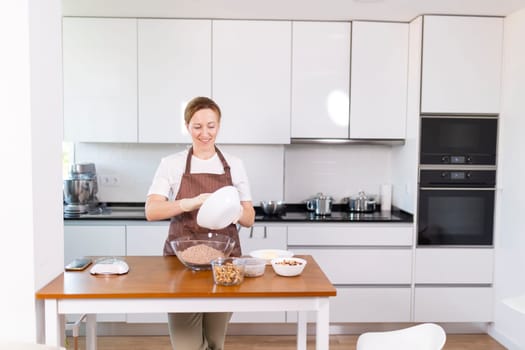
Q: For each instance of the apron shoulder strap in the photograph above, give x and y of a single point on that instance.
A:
(188, 161)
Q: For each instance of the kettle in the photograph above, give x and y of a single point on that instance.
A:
(321, 204)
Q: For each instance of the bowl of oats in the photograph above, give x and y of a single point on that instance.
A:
(196, 251)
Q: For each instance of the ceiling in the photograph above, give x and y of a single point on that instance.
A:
(391, 10)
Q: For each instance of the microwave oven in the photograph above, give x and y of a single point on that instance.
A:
(455, 140)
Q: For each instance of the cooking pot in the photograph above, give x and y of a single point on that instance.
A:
(361, 203)
(321, 204)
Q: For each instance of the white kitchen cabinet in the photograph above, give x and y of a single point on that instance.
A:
(100, 79)
(367, 304)
(379, 80)
(174, 65)
(462, 63)
(146, 240)
(363, 265)
(254, 238)
(453, 304)
(358, 234)
(251, 80)
(369, 264)
(98, 241)
(454, 266)
(320, 79)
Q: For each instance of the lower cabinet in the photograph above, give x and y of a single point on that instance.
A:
(453, 304)
(95, 240)
(146, 240)
(367, 304)
(369, 264)
(254, 238)
(453, 285)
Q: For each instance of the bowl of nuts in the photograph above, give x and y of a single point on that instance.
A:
(288, 267)
(228, 271)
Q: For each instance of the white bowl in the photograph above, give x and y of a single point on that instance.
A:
(288, 266)
(220, 208)
(269, 254)
(254, 267)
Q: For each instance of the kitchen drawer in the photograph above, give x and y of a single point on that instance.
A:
(454, 265)
(259, 317)
(367, 304)
(363, 265)
(351, 235)
(453, 304)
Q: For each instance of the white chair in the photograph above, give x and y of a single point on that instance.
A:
(426, 336)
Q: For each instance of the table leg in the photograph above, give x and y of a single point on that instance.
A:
(91, 332)
(322, 339)
(301, 330)
(52, 323)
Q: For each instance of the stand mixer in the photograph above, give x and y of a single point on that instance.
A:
(80, 189)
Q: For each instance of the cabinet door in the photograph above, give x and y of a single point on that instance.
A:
(462, 60)
(361, 266)
(320, 79)
(146, 240)
(251, 80)
(261, 237)
(454, 266)
(100, 79)
(95, 241)
(379, 80)
(453, 304)
(174, 66)
(367, 304)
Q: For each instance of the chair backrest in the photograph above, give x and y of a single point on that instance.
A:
(426, 336)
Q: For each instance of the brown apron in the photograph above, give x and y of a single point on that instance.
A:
(192, 185)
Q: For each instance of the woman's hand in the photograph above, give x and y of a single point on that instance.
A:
(194, 203)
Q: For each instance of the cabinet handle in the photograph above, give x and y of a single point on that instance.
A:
(265, 233)
(251, 232)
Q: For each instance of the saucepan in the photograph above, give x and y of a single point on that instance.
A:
(273, 207)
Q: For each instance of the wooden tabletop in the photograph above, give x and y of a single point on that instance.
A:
(166, 277)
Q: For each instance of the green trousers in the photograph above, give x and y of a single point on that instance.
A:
(198, 331)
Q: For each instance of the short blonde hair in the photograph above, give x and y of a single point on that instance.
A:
(197, 104)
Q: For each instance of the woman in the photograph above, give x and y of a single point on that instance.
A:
(191, 176)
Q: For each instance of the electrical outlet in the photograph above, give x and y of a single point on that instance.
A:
(108, 180)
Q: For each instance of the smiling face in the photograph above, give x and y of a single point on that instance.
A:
(203, 128)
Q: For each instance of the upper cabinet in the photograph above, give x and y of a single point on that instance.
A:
(174, 65)
(320, 79)
(379, 80)
(461, 69)
(251, 80)
(100, 79)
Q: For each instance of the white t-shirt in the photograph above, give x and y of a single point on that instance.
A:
(166, 181)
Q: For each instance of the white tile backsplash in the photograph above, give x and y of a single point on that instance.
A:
(290, 172)
(336, 170)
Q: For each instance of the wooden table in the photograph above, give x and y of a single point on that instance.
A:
(163, 284)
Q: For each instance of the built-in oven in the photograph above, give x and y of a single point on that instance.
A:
(456, 207)
(456, 140)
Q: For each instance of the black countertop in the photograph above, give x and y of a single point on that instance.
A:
(295, 212)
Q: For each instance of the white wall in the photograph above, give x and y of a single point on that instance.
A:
(31, 252)
(510, 235)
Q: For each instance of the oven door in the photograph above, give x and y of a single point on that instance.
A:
(456, 216)
(458, 140)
